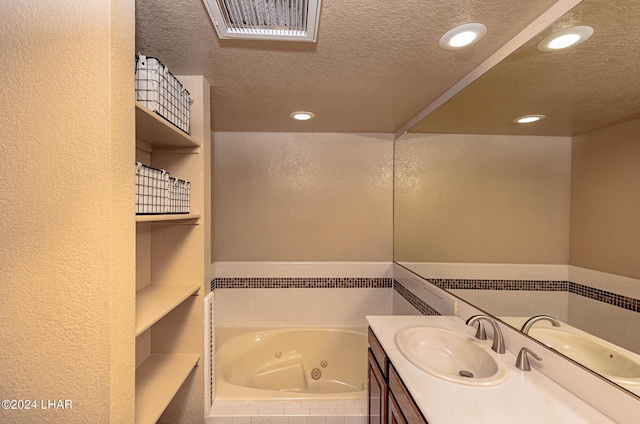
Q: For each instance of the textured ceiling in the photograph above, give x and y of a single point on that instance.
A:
(375, 65)
(587, 87)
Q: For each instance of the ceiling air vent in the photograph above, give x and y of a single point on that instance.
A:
(285, 20)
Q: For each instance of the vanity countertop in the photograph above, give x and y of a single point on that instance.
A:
(526, 397)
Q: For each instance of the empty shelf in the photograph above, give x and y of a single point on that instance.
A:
(155, 301)
(158, 379)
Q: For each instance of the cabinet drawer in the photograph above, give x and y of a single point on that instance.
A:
(404, 401)
(379, 354)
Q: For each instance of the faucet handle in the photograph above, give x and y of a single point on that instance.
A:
(481, 333)
(522, 362)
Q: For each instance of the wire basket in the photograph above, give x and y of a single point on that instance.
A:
(161, 92)
(159, 193)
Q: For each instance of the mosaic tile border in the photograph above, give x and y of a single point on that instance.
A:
(610, 298)
(300, 283)
(604, 296)
(472, 284)
(414, 300)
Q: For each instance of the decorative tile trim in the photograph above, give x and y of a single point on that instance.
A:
(530, 285)
(414, 300)
(604, 296)
(610, 298)
(296, 283)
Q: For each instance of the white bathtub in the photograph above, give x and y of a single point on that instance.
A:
(301, 363)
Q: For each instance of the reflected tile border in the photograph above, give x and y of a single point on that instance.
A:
(414, 300)
(604, 296)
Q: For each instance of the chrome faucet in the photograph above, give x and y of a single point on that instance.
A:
(522, 362)
(529, 323)
(498, 339)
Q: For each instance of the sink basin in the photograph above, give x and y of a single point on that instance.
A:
(597, 355)
(451, 356)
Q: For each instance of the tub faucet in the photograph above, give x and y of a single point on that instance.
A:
(527, 325)
(498, 339)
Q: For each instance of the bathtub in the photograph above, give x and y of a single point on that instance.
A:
(292, 364)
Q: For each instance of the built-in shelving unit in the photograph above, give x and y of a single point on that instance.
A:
(158, 379)
(170, 269)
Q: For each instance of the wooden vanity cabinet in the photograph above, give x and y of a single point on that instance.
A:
(402, 408)
(395, 416)
(388, 398)
(378, 382)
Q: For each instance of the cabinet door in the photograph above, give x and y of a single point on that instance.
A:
(395, 416)
(400, 399)
(378, 391)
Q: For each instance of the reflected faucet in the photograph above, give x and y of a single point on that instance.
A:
(529, 323)
(498, 339)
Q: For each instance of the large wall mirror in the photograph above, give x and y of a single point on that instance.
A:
(540, 218)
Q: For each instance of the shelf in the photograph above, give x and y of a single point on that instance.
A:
(158, 379)
(155, 301)
(167, 217)
(155, 131)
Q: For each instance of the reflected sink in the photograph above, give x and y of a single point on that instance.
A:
(597, 355)
(451, 356)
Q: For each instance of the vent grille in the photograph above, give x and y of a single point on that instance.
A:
(295, 20)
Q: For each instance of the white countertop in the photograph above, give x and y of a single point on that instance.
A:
(526, 397)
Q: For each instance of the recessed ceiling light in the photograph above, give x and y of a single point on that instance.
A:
(302, 115)
(527, 119)
(463, 36)
(567, 37)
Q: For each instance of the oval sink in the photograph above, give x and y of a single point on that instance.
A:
(451, 356)
(602, 358)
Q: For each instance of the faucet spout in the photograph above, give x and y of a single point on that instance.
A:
(498, 339)
(529, 323)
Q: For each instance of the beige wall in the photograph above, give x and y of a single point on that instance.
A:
(605, 200)
(302, 197)
(482, 199)
(67, 258)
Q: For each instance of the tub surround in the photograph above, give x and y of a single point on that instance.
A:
(292, 294)
(308, 294)
(526, 397)
(289, 412)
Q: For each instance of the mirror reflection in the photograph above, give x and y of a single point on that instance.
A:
(540, 218)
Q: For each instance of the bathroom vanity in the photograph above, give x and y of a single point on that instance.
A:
(388, 398)
(401, 392)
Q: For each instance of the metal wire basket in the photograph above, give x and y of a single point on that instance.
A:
(159, 193)
(161, 92)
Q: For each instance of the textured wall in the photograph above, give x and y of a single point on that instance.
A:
(486, 199)
(605, 200)
(302, 197)
(66, 264)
